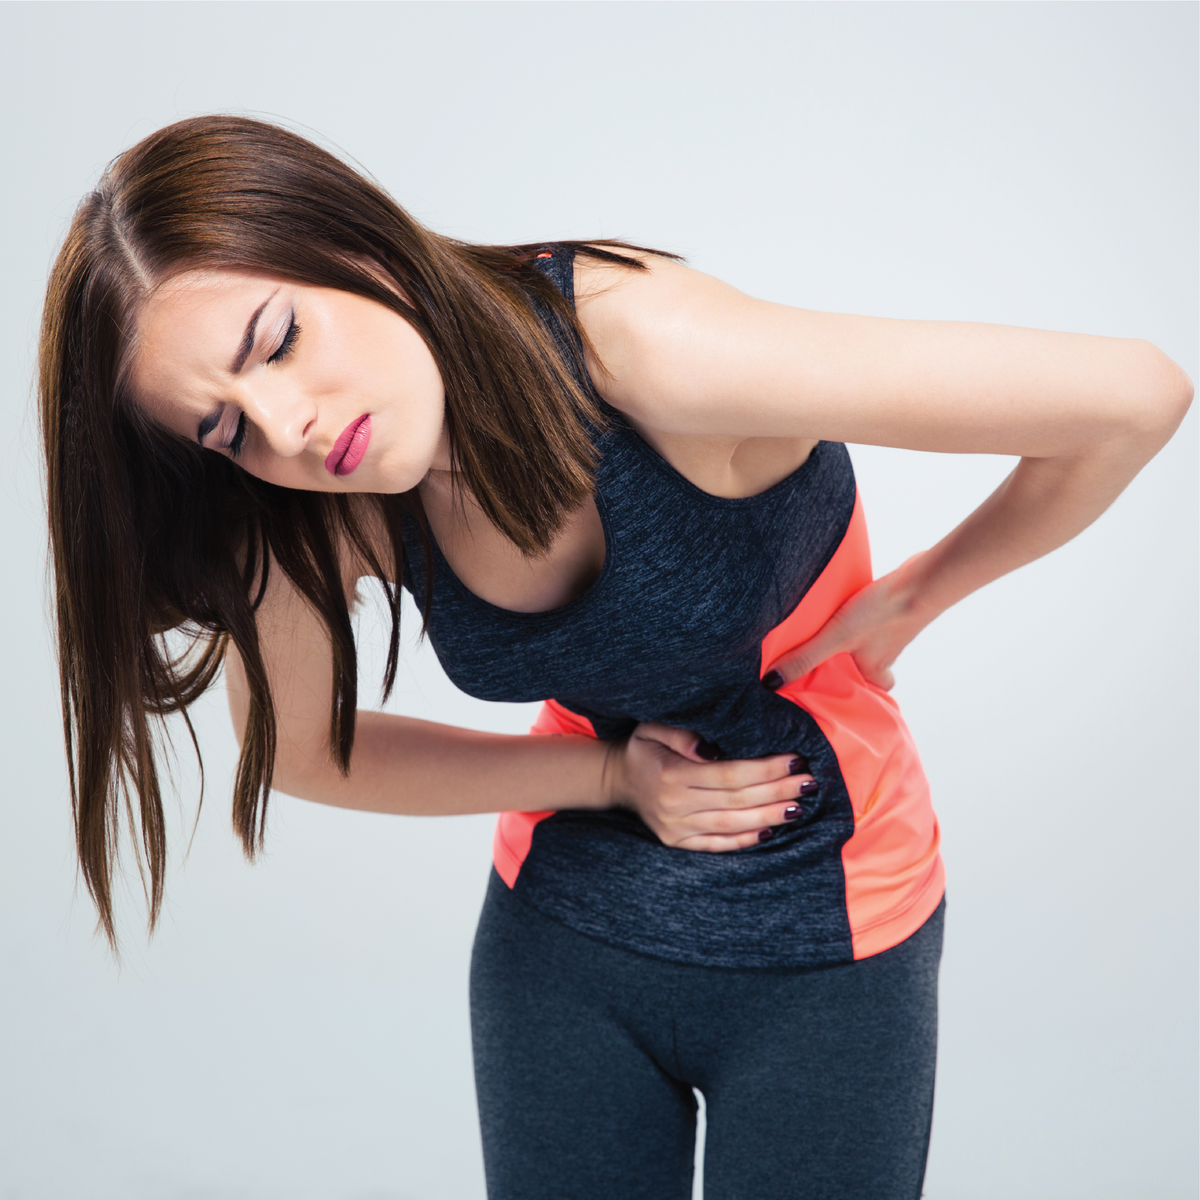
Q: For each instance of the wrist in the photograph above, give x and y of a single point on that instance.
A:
(614, 782)
(911, 592)
(922, 591)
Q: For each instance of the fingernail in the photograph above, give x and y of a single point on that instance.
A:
(798, 766)
(810, 787)
(772, 681)
(765, 835)
(707, 750)
(792, 812)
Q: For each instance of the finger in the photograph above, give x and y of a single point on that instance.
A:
(716, 844)
(695, 802)
(805, 657)
(733, 830)
(729, 822)
(735, 774)
(880, 676)
(680, 741)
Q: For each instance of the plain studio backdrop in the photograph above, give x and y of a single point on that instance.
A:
(298, 1029)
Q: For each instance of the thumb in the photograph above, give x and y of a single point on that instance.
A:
(683, 742)
(829, 640)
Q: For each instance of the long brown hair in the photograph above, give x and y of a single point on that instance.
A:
(150, 534)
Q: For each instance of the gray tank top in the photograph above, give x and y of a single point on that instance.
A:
(671, 631)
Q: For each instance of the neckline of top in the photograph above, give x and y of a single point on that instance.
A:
(555, 254)
(584, 597)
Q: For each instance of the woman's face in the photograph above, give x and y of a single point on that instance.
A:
(305, 387)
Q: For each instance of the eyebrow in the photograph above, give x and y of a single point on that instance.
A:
(239, 359)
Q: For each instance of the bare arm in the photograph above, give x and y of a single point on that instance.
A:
(407, 766)
(400, 764)
(686, 356)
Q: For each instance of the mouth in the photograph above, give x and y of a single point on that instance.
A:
(350, 446)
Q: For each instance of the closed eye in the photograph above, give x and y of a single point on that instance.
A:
(239, 438)
(289, 341)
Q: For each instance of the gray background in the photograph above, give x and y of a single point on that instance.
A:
(299, 1029)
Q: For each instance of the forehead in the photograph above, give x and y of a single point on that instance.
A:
(187, 333)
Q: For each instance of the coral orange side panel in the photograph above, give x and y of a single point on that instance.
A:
(893, 867)
(892, 864)
(514, 830)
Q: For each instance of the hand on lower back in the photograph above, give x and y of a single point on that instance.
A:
(667, 777)
(874, 625)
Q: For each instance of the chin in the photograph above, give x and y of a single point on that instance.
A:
(392, 477)
(381, 482)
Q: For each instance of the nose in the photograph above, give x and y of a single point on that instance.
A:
(284, 418)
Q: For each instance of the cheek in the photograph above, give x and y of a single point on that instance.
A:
(407, 368)
(419, 432)
(413, 405)
(426, 393)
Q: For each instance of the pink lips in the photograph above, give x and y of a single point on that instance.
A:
(350, 447)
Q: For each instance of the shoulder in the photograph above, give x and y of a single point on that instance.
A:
(669, 345)
(608, 290)
(640, 322)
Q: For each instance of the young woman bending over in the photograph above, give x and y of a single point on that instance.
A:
(613, 484)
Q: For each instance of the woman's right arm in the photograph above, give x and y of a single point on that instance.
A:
(408, 766)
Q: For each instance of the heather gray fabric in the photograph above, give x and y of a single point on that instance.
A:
(671, 632)
(818, 1081)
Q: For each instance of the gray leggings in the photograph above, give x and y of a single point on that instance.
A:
(818, 1082)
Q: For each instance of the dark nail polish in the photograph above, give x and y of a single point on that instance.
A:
(707, 750)
(765, 835)
(772, 681)
(792, 812)
(809, 787)
(798, 766)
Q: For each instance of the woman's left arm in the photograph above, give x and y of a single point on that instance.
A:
(686, 355)
(1042, 504)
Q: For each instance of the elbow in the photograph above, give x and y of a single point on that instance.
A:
(1159, 401)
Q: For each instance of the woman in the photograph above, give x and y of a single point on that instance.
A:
(608, 480)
